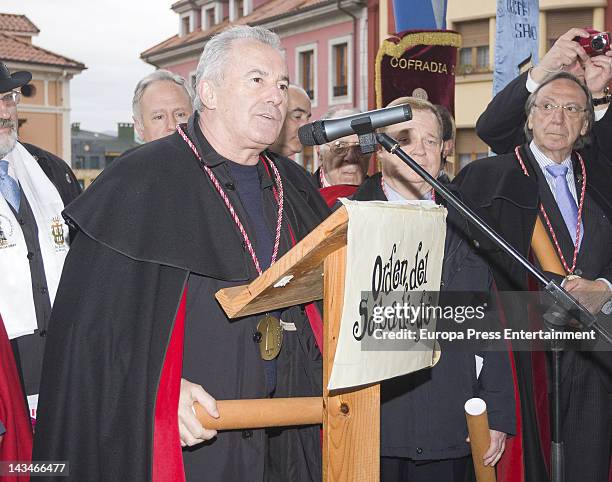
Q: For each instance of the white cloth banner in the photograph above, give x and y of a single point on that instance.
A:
(16, 299)
(394, 258)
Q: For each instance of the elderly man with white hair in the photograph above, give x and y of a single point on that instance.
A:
(162, 100)
(137, 336)
(341, 161)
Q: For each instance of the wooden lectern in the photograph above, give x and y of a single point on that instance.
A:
(314, 269)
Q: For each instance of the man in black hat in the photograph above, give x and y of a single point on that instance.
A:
(35, 187)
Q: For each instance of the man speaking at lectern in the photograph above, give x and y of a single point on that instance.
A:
(137, 334)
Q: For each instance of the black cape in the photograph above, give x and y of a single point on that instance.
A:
(148, 222)
(508, 200)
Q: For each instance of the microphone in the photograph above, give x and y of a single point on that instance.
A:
(322, 131)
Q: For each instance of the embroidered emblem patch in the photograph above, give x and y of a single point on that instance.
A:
(57, 230)
(6, 233)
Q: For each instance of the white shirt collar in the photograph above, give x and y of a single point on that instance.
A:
(394, 196)
(543, 160)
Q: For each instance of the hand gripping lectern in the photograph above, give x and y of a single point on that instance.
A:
(314, 269)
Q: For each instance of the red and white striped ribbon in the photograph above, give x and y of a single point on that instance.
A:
(548, 223)
(279, 197)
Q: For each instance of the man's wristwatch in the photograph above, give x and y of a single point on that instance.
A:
(606, 99)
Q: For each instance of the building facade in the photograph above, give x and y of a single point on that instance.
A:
(94, 151)
(44, 110)
(330, 48)
(325, 43)
(475, 20)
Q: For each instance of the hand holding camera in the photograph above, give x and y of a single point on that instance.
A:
(583, 53)
(598, 67)
(565, 54)
(597, 43)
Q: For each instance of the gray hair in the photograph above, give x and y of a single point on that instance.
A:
(582, 141)
(339, 111)
(336, 112)
(216, 53)
(157, 76)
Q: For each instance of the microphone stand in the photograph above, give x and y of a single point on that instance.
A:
(563, 307)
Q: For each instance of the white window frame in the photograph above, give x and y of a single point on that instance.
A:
(331, 66)
(218, 12)
(191, 16)
(232, 10)
(247, 8)
(218, 7)
(204, 15)
(298, 68)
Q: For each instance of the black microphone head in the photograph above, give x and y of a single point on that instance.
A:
(318, 131)
(306, 136)
(312, 134)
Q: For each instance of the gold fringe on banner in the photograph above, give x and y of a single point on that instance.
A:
(445, 38)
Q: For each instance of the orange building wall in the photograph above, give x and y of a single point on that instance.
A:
(39, 97)
(54, 93)
(42, 129)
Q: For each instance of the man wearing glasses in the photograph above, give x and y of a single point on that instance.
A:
(34, 240)
(341, 161)
(547, 177)
(501, 124)
(342, 165)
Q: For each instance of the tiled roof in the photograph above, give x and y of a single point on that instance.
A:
(10, 22)
(263, 13)
(176, 4)
(11, 48)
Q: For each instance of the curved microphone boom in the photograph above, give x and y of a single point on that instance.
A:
(328, 130)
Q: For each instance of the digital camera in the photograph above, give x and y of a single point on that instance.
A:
(596, 44)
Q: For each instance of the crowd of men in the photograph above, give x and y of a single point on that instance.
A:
(111, 331)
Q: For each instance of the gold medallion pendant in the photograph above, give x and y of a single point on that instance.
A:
(272, 337)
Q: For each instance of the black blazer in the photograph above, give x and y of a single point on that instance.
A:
(508, 200)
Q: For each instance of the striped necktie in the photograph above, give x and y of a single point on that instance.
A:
(565, 200)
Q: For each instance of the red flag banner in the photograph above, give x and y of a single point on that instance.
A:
(418, 63)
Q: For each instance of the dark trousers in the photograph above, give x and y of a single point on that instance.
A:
(397, 469)
(587, 420)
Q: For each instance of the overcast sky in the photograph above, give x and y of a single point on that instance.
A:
(107, 36)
